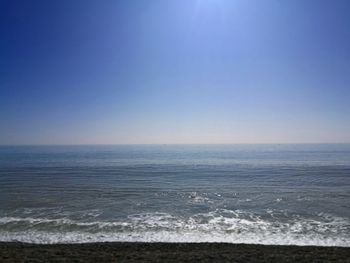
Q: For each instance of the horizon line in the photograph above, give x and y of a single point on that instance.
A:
(174, 144)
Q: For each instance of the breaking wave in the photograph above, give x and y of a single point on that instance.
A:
(217, 226)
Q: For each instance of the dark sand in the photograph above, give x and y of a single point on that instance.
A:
(168, 252)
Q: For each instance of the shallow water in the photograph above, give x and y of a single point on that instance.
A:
(266, 194)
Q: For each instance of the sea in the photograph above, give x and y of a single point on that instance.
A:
(258, 194)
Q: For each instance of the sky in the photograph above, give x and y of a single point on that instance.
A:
(174, 71)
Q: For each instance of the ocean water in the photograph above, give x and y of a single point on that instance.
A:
(261, 194)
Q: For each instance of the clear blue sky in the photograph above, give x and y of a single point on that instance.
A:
(177, 71)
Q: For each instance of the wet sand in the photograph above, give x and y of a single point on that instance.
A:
(168, 252)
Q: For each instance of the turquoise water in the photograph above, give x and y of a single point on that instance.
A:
(265, 194)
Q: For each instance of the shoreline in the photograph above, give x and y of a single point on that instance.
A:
(168, 252)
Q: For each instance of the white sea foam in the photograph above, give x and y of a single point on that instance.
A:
(216, 226)
(166, 236)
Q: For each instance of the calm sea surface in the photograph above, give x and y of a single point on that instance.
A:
(268, 194)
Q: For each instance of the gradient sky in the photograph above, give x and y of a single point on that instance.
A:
(177, 71)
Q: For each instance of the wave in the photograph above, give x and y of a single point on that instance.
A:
(216, 226)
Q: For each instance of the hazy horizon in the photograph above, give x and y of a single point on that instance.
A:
(174, 72)
(179, 144)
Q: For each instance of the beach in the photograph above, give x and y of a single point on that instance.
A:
(198, 203)
(168, 252)
(175, 131)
